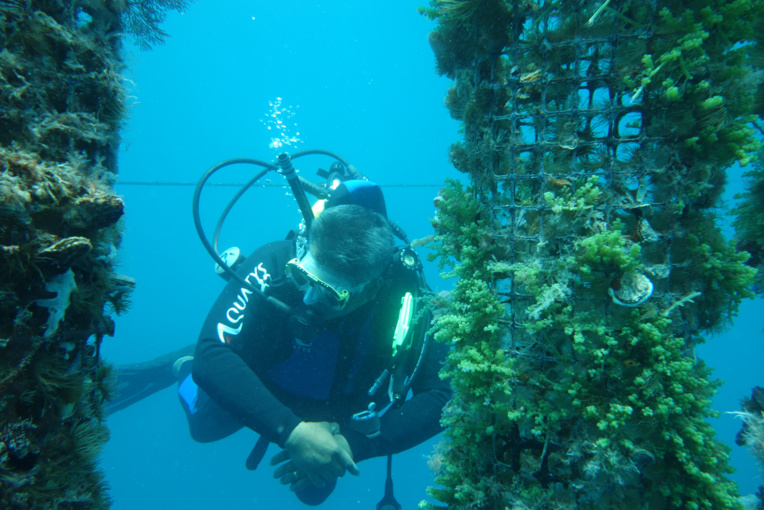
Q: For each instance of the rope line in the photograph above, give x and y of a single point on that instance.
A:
(240, 184)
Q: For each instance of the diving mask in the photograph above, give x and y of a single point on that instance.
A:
(331, 291)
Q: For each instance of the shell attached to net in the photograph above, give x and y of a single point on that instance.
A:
(631, 289)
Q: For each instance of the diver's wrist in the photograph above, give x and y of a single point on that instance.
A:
(286, 431)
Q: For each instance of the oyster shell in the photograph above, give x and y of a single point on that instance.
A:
(96, 210)
(631, 289)
(60, 255)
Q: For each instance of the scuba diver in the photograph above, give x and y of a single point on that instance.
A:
(319, 343)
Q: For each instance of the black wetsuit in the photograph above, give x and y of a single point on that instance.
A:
(250, 363)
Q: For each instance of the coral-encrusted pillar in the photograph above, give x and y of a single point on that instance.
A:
(597, 140)
(61, 104)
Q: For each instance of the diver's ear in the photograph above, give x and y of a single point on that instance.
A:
(374, 287)
(371, 290)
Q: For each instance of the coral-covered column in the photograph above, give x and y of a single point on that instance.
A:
(597, 137)
(61, 104)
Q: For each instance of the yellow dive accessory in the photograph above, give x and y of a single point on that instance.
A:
(304, 278)
(318, 207)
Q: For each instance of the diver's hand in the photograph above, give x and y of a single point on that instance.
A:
(291, 475)
(314, 453)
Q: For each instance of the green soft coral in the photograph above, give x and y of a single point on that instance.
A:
(566, 397)
(697, 37)
(749, 220)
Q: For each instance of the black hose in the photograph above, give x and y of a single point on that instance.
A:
(314, 189)
(230, 205)
(296, 183)
(203, 237)
(288, 171)
(352, 170)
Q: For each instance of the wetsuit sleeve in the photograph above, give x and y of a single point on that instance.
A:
(417, 420)
(218, 367)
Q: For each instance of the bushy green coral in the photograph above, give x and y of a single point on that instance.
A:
(715, 267)
(700, 39)
(588, 253)
(578, 199)
(461, 232)
(749, 219)
(471, 325)
(608, 252)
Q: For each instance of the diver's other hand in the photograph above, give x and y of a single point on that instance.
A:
(352, 469)
(289, 474)
(318, 453)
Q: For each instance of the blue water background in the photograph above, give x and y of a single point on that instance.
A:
(359, 78)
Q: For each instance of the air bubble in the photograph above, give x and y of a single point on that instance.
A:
(277, 119)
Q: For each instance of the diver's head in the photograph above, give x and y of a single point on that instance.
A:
(349, 248)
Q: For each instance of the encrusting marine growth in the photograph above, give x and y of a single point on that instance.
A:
(749, 219)
(752, 433)
(61, 106)
(597, 138)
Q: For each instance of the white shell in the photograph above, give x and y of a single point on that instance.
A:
(631, 289)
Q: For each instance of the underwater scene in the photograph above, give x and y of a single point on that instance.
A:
(582, 181)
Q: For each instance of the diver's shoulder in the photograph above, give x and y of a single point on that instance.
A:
(283, 249)
(270, 257)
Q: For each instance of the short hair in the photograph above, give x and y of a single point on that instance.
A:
(352, 241)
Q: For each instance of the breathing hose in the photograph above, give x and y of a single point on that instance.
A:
(296, 183)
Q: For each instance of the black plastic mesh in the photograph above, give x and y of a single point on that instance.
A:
(561, 114)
